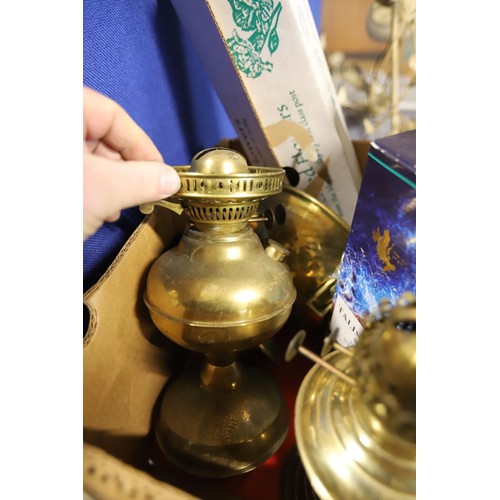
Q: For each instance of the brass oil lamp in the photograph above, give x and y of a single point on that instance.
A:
(357, 440)
(219, 292)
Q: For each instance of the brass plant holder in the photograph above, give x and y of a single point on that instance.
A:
(220, 292)
(357, 438)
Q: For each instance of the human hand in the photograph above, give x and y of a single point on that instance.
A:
(122, 167)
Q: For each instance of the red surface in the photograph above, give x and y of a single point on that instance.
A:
(262, 483)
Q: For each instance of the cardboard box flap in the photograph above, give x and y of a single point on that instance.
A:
(106, 477)
(126, 360)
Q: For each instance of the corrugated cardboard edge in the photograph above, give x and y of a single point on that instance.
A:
(108, 478)
(126, 361)
(361, 148)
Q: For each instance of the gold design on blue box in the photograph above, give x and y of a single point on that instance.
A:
(384, 248)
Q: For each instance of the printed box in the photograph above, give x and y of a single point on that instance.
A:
(379, 261)
(268, 67)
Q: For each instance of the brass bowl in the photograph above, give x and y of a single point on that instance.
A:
(316, 238)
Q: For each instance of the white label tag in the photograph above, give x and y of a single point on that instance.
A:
(349, 328)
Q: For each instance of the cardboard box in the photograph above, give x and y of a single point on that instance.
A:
(345, 29)
(126, 361)
(268, 67)
(379, 261)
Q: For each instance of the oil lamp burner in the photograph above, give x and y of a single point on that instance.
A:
(357, 440)
(219, 292)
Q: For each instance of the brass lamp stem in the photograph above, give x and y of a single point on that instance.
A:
(220, 378)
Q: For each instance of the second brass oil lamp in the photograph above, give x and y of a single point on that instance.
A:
(356, 434)
(219, 292)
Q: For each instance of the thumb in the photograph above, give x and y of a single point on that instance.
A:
(110, 186)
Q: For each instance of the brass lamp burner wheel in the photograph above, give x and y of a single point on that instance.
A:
(219, 188)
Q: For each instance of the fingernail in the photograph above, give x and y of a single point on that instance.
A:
(170, 182)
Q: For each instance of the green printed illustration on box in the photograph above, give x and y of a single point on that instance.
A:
(259, 21)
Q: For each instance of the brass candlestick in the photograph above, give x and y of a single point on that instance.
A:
(220, 292)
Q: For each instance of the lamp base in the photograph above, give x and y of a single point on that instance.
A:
(221, 421)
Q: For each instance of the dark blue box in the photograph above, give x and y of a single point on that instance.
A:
(379, 261)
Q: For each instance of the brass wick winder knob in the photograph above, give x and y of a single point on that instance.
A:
(220, 292)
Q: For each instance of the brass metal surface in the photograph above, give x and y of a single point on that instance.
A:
(315, 237)
(218, 422)
(217, 293)
(359, 442)
(219, 191)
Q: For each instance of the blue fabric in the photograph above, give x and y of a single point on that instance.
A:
(137, 53)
